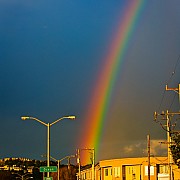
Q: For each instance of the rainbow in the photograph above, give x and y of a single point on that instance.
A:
(101, 96)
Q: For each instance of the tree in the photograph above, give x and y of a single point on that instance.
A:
(66, 173)
(175, 149)
(37, 174)
(5, 175)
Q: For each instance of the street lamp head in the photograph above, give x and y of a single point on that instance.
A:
(71, 117)
(25, 117)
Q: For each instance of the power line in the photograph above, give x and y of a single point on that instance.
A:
(167, 82)
(172, 102)
(178, 60)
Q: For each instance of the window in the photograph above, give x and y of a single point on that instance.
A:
(106, 172)
(116, 171)
(163, 168)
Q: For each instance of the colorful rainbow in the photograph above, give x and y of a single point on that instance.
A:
(101, 96)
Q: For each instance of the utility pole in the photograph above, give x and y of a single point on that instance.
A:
(79, 164)
(93, 163)
(177, 90)
(93, 160)
(166, 116)
(148, 150)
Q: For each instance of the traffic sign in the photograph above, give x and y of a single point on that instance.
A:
(48, 169)
(48, 178)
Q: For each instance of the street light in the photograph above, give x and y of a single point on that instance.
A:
(54, 160)
(48, 125)
(59, 161)
(22, 177)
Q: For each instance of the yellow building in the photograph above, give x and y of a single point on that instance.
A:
(132, 169)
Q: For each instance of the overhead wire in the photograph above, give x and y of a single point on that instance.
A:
(176, 65)
(160, 159)
(170, 106)
(167, 82)
(178, 61)
(163, 96)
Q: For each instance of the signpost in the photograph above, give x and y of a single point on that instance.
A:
(48, 169)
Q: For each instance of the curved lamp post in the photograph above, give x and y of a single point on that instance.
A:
(22, 177)
(48, 125)
(59, 161)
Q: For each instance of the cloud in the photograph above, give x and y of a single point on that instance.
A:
(139, 148)
(136, 148)
(157, 148)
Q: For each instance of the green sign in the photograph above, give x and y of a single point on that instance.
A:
(48, 169)
(48, 178)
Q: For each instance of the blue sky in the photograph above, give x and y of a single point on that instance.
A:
(51, 53)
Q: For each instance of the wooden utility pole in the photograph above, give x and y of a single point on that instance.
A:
(93, 161)
(177, 90)
(79, 164)
(173, 89)
(148, 150)
(166, 116)
(92, 150)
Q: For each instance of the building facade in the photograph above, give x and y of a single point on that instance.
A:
(133, 169)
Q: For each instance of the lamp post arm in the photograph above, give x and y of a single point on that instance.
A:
(44, 155)
(64, 158)
(33, 118)
(57, 121)
(65, 117)
(67, 157)
(39, 121)
(22, 176)
(53, 158)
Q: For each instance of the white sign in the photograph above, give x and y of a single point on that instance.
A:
(151, 170)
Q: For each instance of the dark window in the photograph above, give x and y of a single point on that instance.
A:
(106, 172)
